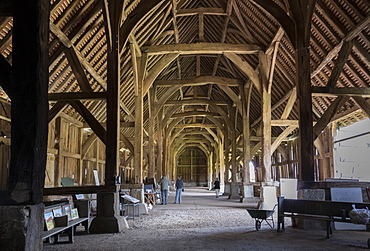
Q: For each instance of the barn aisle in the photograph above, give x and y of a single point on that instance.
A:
(203, 222)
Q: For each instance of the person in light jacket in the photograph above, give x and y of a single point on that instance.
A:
(164, 183)
(179, 187)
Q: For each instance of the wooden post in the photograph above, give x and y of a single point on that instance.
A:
(303, 82)
(139, 80)
(113, 97)
(60, 136)
(165, 152)
(108, 219)
(151, 95)
(226, 153)
(23, 222)
(29, 109)
(266, 117)
(233, 145)
(160, 145)
(221, 157)
(245, 97)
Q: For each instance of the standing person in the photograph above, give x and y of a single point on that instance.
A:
(179, 186)
(165, 183)
(217, 187)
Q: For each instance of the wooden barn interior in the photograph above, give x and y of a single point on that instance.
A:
(112, 94)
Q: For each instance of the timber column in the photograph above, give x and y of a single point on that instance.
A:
(302, 13)
(234, 185)
(108, 219)
(21, 210)
(268, 188)
(247, 188)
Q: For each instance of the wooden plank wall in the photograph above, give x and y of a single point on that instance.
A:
(65, 157)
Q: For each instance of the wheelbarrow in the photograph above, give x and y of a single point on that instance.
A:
(261, 215)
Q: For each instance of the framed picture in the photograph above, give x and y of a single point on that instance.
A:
(49, 220)
(58, 212)
(74, 213)
(67, 211)
(80, 196)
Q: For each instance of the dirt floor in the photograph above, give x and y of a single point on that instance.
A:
(203, 222)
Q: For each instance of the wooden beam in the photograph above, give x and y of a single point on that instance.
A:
(5, 118)
(77, 69)
(87, 144)
(289, 105)
(363, 104)
(339, 63)
(141, 10)
(165, 96)
(127, 124)
(156, 70)
(352, 34)
(77, 96)
(107, 26)
(128, 144)
(181, 126)
(278, 36)
(201, 10)
(77, 190)
(201, 48)
(90, 119)
(197, 102)
(277, 104)
(282, 137)
(201, 29)
(202, 80)
(56, 109)
(246, 68)
(341, 91)
(60, 35)
(190, 114)
(280, 16)
(229, 92)
(328, 115)
(284, 122)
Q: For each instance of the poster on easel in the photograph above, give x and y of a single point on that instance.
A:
(347, 194)
(96, 177)
(288, 188)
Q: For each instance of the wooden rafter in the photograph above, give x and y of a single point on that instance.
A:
(90, 119)
(328, 115)
(201, 48)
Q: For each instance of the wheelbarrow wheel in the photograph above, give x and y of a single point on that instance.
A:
(258, 225)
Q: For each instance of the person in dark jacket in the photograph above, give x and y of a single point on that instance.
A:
(217, 187)
(179, 187)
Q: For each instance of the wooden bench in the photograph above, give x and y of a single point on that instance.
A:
(69, 229)
(329, 211)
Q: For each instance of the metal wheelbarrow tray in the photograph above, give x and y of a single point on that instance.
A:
(261, 215)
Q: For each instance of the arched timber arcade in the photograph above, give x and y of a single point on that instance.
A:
(113, 94)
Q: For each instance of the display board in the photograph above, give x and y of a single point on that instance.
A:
(288, 188)
(347, 194)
